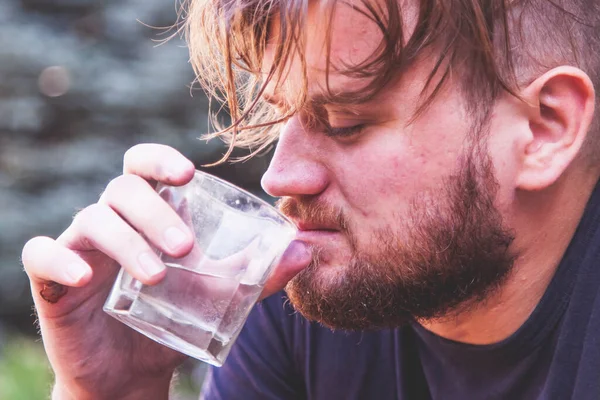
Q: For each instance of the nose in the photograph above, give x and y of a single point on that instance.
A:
(296, 168)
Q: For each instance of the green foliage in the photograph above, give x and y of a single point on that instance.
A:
(24, 370)
(25, 373)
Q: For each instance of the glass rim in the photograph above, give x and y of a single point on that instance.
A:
(245, 192)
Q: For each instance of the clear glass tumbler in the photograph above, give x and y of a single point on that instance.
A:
(201, 305)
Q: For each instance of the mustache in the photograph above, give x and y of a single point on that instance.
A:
(313, 211)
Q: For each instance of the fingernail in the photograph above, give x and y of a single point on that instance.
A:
(75, 271)
(175, 238)
(149, 265)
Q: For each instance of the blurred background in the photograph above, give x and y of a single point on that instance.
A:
(81, 81)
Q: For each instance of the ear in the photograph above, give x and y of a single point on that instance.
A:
(562, 106)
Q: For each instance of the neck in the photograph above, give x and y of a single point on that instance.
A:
(544, 223)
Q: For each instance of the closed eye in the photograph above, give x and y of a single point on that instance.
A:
(343, 132)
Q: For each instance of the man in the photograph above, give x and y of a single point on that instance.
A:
(440, 160)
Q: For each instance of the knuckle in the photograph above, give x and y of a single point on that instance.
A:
(131, 154)
(32, 248)
(98, 225)
(89, 214)
(122, 184)
(139, 151)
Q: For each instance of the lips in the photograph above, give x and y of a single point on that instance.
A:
(312, 232)
(305, 226)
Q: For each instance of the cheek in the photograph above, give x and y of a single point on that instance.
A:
(383, 175)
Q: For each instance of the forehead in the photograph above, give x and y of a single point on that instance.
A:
(338, 38)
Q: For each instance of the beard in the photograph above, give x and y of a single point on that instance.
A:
(452, 255)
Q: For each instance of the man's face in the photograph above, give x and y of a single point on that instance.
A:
(401, 214)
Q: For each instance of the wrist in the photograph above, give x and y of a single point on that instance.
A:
(154, 389)
(60, 393)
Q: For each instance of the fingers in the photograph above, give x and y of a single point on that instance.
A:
(128, 209)
(297, 257)
(155, 162)
(100, 227)
(45, 260)
(135, 200)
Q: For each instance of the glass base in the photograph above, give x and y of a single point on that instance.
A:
(213, 352)
(191, 312)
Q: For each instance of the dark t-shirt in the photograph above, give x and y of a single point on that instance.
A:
(554, 355)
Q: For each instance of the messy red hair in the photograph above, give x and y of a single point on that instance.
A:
(489, 46)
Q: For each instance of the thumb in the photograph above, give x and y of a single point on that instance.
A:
(296, 257)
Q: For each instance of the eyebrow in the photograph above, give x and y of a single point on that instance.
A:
(318, 100)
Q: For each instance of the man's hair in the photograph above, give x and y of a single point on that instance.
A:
(489, 47)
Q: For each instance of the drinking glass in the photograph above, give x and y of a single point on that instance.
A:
(202, 303)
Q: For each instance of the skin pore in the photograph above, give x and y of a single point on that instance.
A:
(372, 169)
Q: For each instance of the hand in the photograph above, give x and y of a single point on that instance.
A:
(92, 354)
